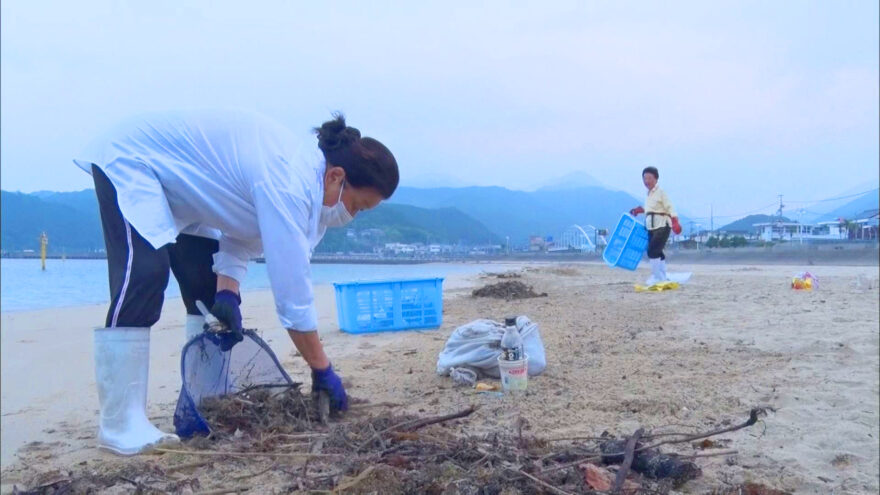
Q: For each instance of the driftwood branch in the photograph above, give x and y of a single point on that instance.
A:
(267, 385)
(189, 465)
(710, 454)
(754, 414)
(222, 491)
(351, 484)
(258, 473)
(369, 406)
(541, 483)
(627, 461)
(418, 423)
(302, 455)
(440, 419)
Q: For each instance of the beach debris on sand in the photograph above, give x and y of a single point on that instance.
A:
(284, 449)
(275, 410)
(504, 275)
(512, 289)
(749, 489)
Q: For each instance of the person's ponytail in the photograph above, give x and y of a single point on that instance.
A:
(366, 161)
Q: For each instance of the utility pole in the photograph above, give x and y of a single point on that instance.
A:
(800, 226)
(711, 218)
(44, 243)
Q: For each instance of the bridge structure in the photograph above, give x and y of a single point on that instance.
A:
(582, 238)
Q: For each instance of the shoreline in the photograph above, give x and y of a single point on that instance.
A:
(852, 253)
(674, 261)
(66, 359)
(26, 288)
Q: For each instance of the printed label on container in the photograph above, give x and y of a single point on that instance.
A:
(512, 354)
(510, 382)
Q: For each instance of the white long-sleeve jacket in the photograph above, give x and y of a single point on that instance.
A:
(235, 176)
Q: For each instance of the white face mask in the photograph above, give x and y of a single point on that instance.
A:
(336, 215)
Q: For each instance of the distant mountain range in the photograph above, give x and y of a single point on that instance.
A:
(468, 215)
(73, 224)
(520, 214)
(849, 208)
(408, 224)
(868, 201)
(746, 225)
(444, 215)
(71, 220)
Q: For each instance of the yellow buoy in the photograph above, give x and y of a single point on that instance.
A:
(44, 242)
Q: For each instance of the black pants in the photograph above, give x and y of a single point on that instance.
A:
(139, 272)
(656, 241)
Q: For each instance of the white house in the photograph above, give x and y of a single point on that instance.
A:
(828, 230)
(869, 224)
(440, 248)
(776, 231)
(399, 248)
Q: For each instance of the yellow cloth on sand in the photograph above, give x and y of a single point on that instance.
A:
(658, 287)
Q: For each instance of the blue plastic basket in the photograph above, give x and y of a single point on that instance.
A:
(382, 306)
(627, 244)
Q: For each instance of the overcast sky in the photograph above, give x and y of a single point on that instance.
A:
(734, 102)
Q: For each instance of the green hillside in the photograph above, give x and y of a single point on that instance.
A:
(71, 220)
(747, 224)
(73, 224)
(407, 224)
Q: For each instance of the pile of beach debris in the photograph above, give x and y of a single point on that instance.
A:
(508, 290)
(274, 436)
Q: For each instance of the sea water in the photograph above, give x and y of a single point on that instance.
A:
(23, 286)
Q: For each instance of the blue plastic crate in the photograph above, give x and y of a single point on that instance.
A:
(389, 305)
(627, 244)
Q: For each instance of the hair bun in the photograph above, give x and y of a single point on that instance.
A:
(334, 134)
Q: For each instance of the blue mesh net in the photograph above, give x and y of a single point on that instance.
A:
(207, 371)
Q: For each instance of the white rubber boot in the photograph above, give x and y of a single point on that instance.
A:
(194, 326)
(122, 364)
(655, 272)
(661, 271)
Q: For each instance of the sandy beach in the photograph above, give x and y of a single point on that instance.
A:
(735, 337)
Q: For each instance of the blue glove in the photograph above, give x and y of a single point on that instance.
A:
(329, 382)
(226, 309)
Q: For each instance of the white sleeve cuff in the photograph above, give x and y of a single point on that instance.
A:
(299, 319)
(230, 266)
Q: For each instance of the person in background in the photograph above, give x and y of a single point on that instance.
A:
(200, 193)
(660, 218)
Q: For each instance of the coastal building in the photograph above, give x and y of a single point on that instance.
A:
(397, 248)
(832, 230)
(537, 243)
(863, 226)
(778, 231)
(867, 223)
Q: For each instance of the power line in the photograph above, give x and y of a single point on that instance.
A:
(835, 199)
(739, 214)
(778, 202)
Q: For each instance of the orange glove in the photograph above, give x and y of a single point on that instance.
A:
(635, 211)
(676, 227)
